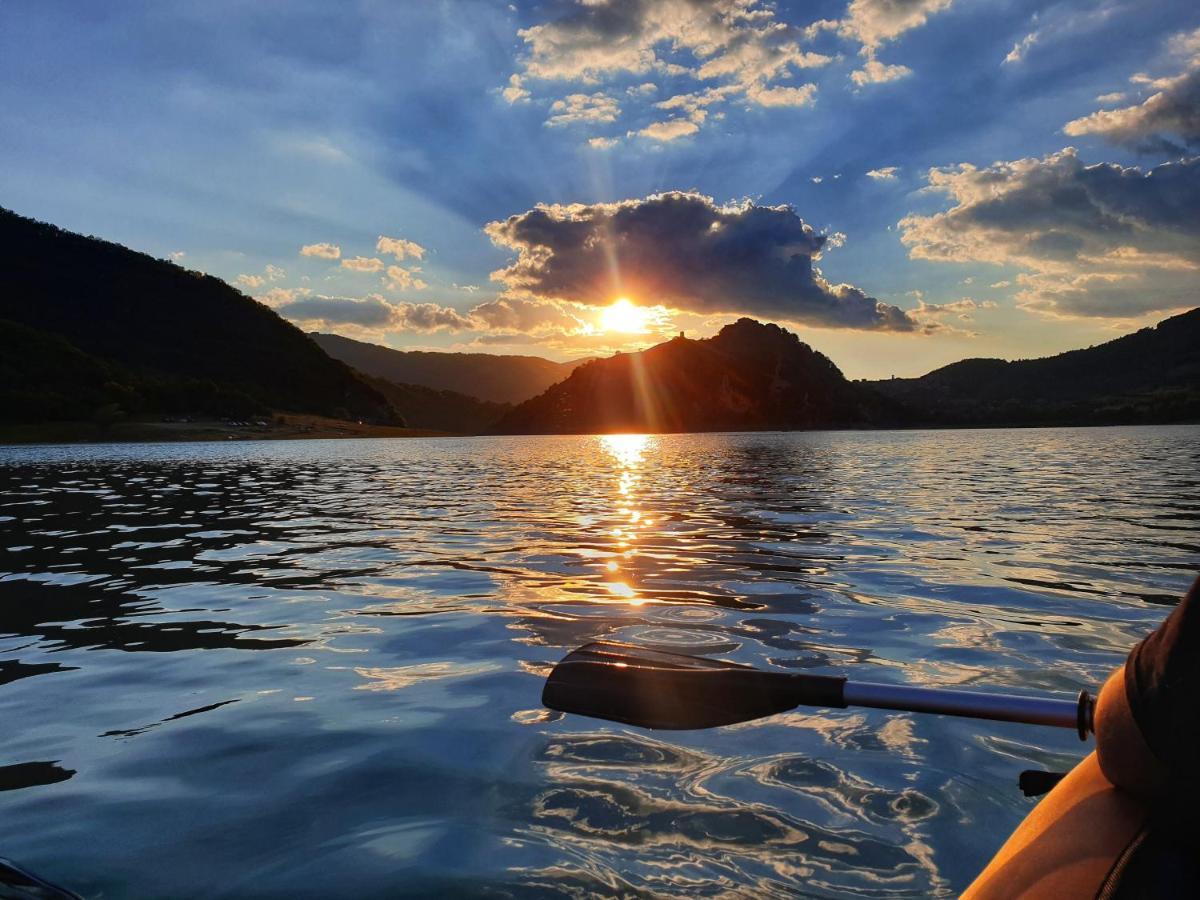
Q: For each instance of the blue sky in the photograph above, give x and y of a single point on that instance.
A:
(707, 160)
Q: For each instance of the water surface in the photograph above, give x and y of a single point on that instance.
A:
(314, 668)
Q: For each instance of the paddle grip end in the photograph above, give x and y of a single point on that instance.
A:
(1085, 712)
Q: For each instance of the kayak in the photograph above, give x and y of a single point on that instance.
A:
(1070, 845)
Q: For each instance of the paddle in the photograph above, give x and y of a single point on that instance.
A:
(654, 689)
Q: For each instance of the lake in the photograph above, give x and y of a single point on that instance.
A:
(314, 668)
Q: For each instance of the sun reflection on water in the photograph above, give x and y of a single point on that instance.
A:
(627, 452)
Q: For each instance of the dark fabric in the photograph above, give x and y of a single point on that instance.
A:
(1157, 865)
(1162, 683)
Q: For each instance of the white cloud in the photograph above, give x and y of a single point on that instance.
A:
(803, 95)
(251, 281)
(363, 264)
(399, 247)
(398, 278)
(278, 296)
(322, 251)
(515, 91)
(1093, 241)
(1063, 22)
(739, 44)
(602, 143)
(1166, 119)
(274, 273)
(874, 22)
(592, 108)
(1021, 47)
(670, 130)
(885, 173)
(875, 72)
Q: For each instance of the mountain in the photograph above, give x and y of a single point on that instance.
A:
(425, 407)
(148, 336)
(1152, 375)
(749, 376)
(500, 379)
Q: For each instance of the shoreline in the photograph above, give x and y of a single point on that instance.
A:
(279, 427)
(299, 427)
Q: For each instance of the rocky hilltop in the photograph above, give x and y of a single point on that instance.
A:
(750, 376)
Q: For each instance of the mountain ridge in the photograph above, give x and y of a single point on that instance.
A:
(494, 377)
(1151, 375)
(169, 339)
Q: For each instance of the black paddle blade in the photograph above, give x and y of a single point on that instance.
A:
(654, 689)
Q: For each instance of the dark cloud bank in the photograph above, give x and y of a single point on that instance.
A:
(685, 251)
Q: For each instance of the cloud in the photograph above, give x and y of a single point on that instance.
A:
(429, 317)
(1100, 240)
(886, 173)
(398, 278)
(371, 313)
(525, 315)
(278, 296)
(670, 130)
(594, 108)
(1062, 22)
(363, 264)
(1172, 112)
(740, 44)
(270, 273)
(399, 247)
(874, 22)
(322, 251)
(875, 72)
(374, 313)
(684, 251)
(515, 91)
(804, 95)
(1020, 48)
(603, 143)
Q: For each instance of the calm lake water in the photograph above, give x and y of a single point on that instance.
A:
(314, 668)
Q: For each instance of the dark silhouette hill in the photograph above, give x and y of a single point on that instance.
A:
(164, 338)
(1152, 375)
(489, 376)
(425, 407)
(749, 376)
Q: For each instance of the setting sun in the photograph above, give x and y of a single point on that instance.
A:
(623, 315)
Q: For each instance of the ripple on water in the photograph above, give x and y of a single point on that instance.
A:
(314, 668)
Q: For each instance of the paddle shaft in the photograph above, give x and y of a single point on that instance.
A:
(1076, 714)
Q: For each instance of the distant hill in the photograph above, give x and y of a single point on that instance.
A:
(148, 336)
(1152, 375)
(749, 376)
(501, 379)
(424, 407)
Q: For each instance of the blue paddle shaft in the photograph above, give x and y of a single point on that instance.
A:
(998, 707)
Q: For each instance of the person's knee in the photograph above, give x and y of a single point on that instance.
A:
(1125, 758)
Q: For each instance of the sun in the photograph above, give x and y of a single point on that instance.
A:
(622, 315)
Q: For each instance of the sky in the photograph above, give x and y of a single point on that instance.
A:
(904, 183)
